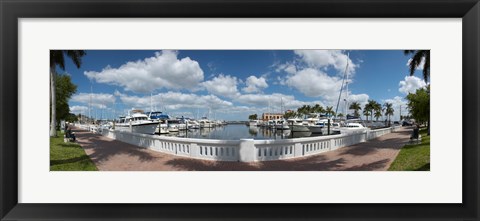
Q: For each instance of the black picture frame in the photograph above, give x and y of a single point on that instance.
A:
(12, 10)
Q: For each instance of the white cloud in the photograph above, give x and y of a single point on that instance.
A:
(222, 85)
(164, 70)
(397, 103)
(117, 93)
(420, 66)
(362, 99)
(290, 68)
(255, 84)
(275, 102)
(315, 83)
(78, 109)
(411, 84)
(174, 101)
(97, 100)
(324, 59)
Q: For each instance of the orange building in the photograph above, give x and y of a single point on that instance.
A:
(271, 116)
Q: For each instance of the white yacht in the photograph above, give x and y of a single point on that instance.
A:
(205, 123)
(351, 128)
(321, 126)
(296, 125)
(137, 123)
(253, 123)
(162, 127)
(282, 125)
(173, 125)
(161, 119)
(192, 124)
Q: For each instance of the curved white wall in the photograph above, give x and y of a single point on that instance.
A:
(245, 150)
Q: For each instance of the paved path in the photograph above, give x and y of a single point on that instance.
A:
(110, 154)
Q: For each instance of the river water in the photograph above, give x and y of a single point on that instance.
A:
(239, 131)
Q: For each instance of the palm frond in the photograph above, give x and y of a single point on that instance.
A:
(76, 56)
(56, 58)
(426, 66)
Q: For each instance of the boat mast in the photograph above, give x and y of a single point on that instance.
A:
(90, 101)
(114, 107)
(151, 107)
(346, 91)
(343, 82)
(281, 105)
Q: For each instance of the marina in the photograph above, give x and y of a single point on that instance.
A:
(296, 110)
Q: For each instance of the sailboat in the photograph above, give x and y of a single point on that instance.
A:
(282, 124)
(348, 127)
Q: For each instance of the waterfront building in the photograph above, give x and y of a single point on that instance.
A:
(271, 116)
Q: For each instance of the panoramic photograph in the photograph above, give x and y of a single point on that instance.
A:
(239, 110)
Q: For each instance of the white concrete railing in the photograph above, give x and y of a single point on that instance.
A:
(222, 150)
(245, 150)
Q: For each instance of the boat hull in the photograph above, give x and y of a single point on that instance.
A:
(299, 128)
(144, 128)
(282, 127)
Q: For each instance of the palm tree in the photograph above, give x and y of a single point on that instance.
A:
(370, 107)
(304, 110)
(366, 111)
(356, 107)
(378, 110)
(318, 109)
(57, 58)
(378, 113)
(340, 115)
(417, 58)
(330, 111)
(290, 114)
(388, 111)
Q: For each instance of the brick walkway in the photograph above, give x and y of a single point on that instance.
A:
(114, 155)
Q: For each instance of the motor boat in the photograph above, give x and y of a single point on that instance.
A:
(136, 123)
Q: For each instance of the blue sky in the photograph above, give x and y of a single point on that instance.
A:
(232, 84)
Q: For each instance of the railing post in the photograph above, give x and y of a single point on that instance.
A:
(246, 151)
(298, 150)
(194, 150)
(332, 144)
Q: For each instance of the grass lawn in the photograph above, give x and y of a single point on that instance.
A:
(68, 156)
(414, 157)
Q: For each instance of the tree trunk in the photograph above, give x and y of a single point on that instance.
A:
(53, 123)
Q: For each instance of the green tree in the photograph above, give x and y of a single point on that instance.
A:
(355, 106)
(290, 114)
(318, 109)
(57, 58)
(366, 112)
(340, 115)
(378, 113)
(63, 91)
(71, 118)
(370, 107)
(329, 111)
(419, 105)
(377, 108)
(305, 110)
(417, 57)
(388, 111)
(252, 117)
